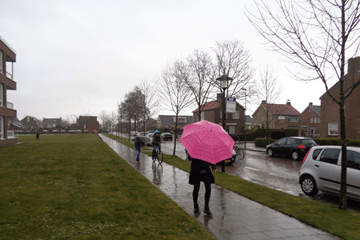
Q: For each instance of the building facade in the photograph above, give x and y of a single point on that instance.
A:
(88, 124)
(7, 58)
(212, 112)
(278, 116)
(330, 116)
(310, 121)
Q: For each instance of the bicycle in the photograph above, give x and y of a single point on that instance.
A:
(158, 156)
(239, 154)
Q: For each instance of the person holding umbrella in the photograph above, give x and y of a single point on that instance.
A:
(207, 144)
(200, 172)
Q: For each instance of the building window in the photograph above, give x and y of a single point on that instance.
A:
(311, 120)
(1, 127)
(281, 118)
(236, 115)
(202, 115)
(1, 95)
(333, 129)
(304, 129)
(226, 115)
(318, 120)
(315, 120)
(262, 118)
(180, 119)
(293, 118)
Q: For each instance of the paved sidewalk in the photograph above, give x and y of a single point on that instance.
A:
(235, 217)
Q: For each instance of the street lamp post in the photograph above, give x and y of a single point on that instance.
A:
(135, 123)
(224, 85)
(244, 120)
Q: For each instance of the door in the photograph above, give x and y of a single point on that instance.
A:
(353, 174)
(328, 169)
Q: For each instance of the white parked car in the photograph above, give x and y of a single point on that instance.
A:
(321, 170)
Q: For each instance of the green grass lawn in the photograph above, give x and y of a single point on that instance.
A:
(345, 224)
(75, 186)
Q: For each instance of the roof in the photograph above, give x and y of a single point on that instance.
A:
(6, 44)
(279, 109)
(249, 119)
(316, 109)
(210, 106)
(213, 105)
(168, 120)
(50, 121)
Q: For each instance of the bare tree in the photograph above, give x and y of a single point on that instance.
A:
(200, 78)
(174, 91)
(233, 60)
(103, 117)
(150, 101)
(316, 36)
(269, 91)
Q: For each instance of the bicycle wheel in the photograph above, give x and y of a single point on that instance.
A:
(160, 157)
(240, 154)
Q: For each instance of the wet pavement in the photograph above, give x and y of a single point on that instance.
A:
(234, 216)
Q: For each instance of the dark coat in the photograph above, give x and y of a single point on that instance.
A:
(200, 170)
(139, 143)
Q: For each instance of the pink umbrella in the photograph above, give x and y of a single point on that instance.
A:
(207, 141)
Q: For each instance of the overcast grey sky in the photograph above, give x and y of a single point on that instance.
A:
(78, 57)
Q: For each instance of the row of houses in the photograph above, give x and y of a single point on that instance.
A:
(315, 120)
(318, 121)
(32, 124)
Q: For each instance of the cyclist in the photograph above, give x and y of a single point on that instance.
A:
(156, 142)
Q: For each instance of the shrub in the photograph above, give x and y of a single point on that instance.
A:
(261, 142)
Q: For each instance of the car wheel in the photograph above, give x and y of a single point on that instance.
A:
(308, 186)
(270, 152)
(295, 155)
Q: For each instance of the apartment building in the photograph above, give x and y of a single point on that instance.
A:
(7, 59)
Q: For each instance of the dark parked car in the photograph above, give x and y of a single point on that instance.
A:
(166, 136)
(294, 147)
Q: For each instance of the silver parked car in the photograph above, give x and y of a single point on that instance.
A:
(321, 170)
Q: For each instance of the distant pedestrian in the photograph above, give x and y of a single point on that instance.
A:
(37, 136)
(200, 172)
(139, 144)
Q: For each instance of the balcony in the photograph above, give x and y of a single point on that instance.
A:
(9, 105)
(10, 134)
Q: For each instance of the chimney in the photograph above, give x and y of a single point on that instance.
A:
(310, 103)
(288, 102)
(263, 102)
(219, 96)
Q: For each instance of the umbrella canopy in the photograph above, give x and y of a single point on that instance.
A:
(207, 141)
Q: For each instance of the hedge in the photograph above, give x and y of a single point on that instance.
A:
(336, 141)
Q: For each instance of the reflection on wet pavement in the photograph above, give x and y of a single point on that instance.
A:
(235, 217)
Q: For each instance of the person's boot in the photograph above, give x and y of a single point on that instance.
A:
(196, 208)
(207, 211)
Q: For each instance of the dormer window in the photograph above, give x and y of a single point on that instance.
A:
(180, 119)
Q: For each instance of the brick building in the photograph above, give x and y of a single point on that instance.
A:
(7, 58)
(330, 117)
(309, 121)
(280, 116)
(88, 124)
(212, 112)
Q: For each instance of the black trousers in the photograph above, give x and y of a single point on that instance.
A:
(207, 182)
